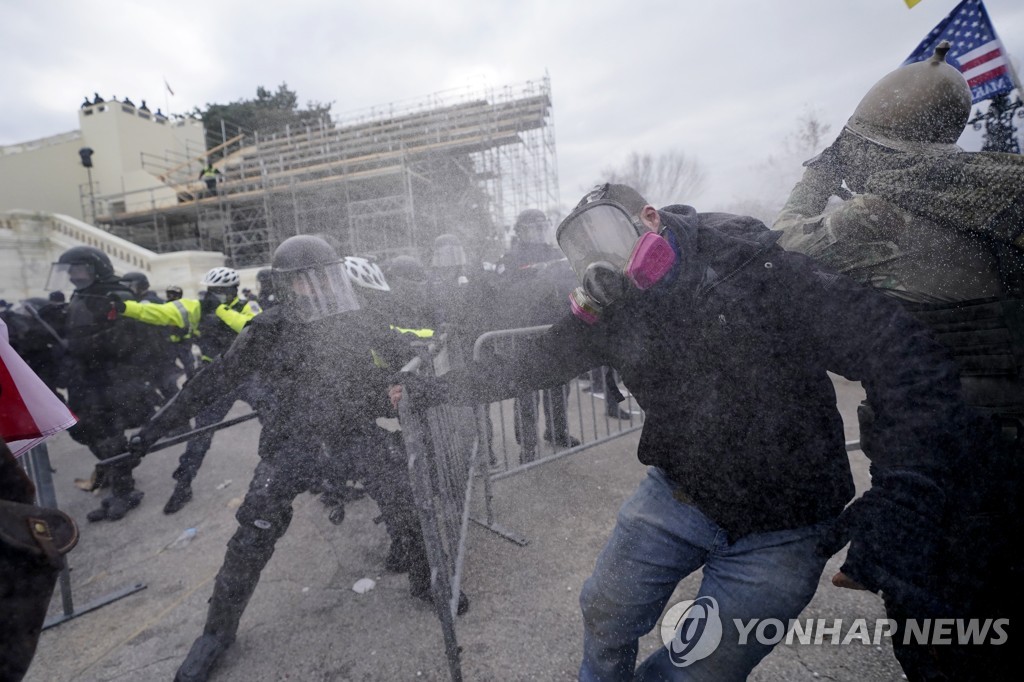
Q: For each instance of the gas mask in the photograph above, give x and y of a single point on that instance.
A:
(612, 255)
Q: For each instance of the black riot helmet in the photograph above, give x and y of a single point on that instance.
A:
(533, 226)
(405, 267)
(136, 281)
(264, 279)
(174, 292)
(448, 252)
(78, 268)
(309, 276)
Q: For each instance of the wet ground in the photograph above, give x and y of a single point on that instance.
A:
(306, 623)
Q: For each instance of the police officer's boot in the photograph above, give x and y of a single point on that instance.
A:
(397, 560)
(179, 498)
(124, 496)
(232, 589)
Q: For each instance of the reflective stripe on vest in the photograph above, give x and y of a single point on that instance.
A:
(183, 311)
(420, 333)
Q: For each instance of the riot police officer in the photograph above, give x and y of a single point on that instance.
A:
(105, 389)
(213, 320)
(326, 363)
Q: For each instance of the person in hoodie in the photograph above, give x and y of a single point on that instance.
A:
(725, 340)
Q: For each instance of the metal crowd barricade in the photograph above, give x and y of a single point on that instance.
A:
(500, 425)
(442, 445)
(37, 464)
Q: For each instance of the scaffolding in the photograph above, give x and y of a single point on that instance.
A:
(380, 181)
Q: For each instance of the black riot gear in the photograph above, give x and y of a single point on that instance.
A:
(105, 377)
(78, 268)
(328, 377)
(405, 267)
(309, 274)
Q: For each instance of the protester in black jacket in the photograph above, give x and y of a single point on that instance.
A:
(725, 340)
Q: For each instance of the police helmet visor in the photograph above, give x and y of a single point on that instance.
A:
(449, 255)
(534, 230)
(317, 292)
(70, 276)
(600, 232)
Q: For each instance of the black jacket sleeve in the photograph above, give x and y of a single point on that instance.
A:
(566, 350)
(221, 376)
(910, 379)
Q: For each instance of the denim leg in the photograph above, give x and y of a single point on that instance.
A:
(656, 543)
(762, 576)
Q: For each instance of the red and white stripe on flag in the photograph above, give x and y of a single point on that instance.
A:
(29, 411)
(983, 63)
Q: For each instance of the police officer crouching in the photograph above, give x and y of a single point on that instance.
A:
(322, 358)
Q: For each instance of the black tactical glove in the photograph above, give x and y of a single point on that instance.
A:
(894, 531)
(116, 303)
(137, 445)
(421, 391)
(143, 440)
(208, 303)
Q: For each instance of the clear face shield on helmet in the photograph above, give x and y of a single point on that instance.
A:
(317, 292)
(611, 254)
(65, 276)
(448, 256)
(534, 231)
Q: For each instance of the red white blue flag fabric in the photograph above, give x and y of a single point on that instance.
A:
(976, 49)
(29, 411)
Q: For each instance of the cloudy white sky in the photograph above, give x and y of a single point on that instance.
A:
(724, 81)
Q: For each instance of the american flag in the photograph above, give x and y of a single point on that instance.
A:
(976, 49)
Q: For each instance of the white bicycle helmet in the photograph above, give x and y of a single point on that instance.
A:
(365, 274)
(220, 277)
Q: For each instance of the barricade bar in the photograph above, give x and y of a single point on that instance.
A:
(576, 416)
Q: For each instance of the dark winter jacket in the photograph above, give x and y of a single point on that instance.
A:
(102, 369)
(327, 380)
(98, 341)
(728, 357)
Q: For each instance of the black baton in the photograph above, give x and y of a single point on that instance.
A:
(181, 438)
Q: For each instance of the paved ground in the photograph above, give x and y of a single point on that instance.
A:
(306, 623)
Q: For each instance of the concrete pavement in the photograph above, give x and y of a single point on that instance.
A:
(306, 623)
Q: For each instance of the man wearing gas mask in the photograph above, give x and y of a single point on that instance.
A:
(322, 358)
(724, 339)
(213, 321)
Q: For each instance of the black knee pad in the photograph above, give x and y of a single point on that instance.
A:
(260, 526)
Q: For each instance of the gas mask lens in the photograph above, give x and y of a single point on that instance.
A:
(599, 233)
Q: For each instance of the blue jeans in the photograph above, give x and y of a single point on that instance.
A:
(658, 541)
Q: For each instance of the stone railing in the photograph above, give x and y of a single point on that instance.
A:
(31, 241)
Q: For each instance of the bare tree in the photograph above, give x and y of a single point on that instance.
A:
(781, 171)
(668, 178)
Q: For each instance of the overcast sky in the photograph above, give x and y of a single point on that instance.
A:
(722, 80)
